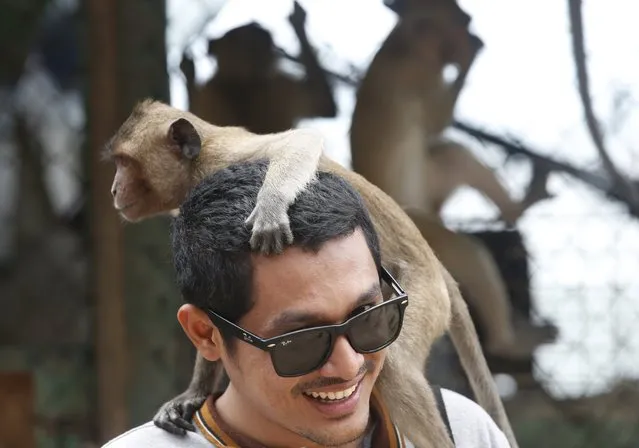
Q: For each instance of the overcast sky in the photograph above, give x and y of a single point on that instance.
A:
(584, 250)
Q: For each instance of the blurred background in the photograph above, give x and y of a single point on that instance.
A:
(89, 343)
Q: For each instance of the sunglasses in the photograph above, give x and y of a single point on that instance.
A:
(303, 351)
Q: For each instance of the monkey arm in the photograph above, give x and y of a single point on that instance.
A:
(294, 157)
(466, 48)
(484, 180)
(470, 171)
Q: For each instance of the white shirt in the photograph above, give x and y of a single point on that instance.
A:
(472, 428)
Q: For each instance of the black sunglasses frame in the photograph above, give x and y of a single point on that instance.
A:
(270, 344)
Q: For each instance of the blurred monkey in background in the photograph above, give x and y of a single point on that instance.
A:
(249, 91)
(403, 105)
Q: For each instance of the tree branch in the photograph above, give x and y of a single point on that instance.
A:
(514, 147)
(353, 79)
(623, 186)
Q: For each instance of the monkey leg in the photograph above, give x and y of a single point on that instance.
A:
(410, 400)
(452, 164)
(471, 264)
(175, 415)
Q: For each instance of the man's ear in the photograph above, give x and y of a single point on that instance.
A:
(183, 134)
(198, 327)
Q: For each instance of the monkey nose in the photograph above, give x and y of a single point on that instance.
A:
(113, 191)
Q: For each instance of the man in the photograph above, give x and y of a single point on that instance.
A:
(315, 387)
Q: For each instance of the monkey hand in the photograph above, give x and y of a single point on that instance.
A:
(298, 16)
(175, 415)
(270, 225)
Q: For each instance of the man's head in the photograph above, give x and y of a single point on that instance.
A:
(331, 273)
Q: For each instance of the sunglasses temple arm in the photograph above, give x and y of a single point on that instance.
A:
(392, 281)
(239, 332)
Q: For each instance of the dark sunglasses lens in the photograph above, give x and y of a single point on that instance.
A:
(372, 330)
(302, 353)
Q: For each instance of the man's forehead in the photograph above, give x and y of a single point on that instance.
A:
(300, 316)
(303, 282)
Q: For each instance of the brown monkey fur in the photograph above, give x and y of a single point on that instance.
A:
(248, 90)
(452, 165)
(157, 164)
(403, 101)
(403, 105)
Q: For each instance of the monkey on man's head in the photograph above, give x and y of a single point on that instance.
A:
(158, 139)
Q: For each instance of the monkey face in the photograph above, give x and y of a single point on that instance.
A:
(133, 197)
(439, 37)
(460, 45)
(153, 165)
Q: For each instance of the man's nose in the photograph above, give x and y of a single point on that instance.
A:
(344, 362)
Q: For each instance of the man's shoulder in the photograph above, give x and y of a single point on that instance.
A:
(149, 435)
(471, 424)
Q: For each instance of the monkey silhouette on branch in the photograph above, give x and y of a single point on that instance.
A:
(249, 90)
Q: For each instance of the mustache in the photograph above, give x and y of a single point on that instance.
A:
(368, 366)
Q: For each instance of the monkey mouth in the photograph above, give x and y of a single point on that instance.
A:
(123, 207)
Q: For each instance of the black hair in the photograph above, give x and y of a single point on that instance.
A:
(211, 250)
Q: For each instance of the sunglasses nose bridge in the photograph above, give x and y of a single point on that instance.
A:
(344, 330)
(336, 332)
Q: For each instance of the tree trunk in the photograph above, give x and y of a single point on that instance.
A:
(154, 336)
(106, 231)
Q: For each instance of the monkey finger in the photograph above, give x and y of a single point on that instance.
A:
(278, 245)
(190, 408)
(267, 242)
(166, 424)
(285, 229)
(176, 418)
(274, 241)
(184, 424)
(256, 240)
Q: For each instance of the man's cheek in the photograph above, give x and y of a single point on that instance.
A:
(260, 368)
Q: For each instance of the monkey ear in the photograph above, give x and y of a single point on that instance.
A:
(185, 136)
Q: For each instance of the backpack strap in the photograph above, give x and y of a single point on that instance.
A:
(441, 407)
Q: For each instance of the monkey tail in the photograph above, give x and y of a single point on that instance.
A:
(464, 336)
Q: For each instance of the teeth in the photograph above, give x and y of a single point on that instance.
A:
(340, 395)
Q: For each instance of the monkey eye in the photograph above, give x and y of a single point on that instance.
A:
(121, 161)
